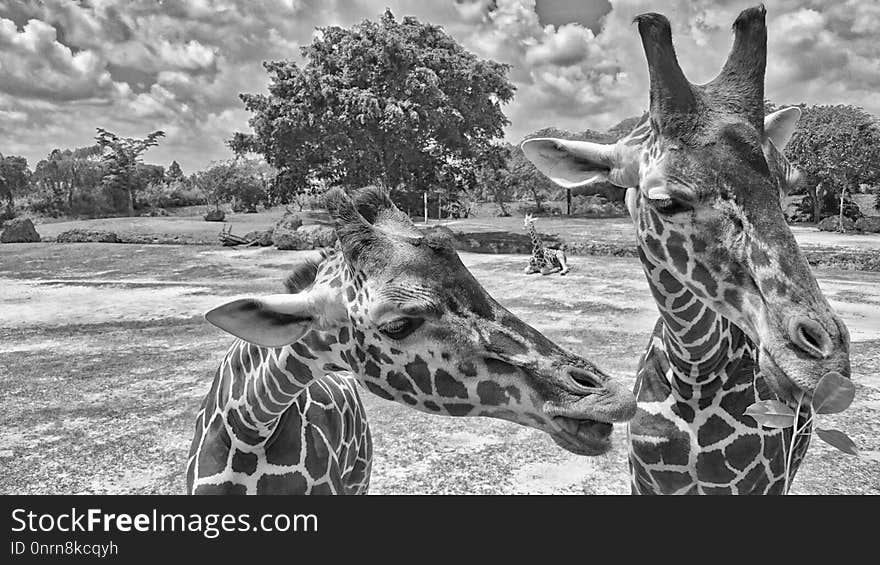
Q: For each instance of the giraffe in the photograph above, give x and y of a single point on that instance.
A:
(544, 260)
(396, 311)
(742, 317)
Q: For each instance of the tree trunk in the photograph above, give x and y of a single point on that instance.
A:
(817, 204)
(840, 219)
(130, 201)
(568, 202)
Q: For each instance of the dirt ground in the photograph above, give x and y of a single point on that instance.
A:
(104, 359)
(189, 227)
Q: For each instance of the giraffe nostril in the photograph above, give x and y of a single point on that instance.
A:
(584, 378)
(810, 337)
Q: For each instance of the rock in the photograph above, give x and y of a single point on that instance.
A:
(87, 236)
(870, 224)
(443, 230)
(290, 221)
(215, 215)
(19, 230)
(306, 237)
(283, 235)
(832, 223)
(261, 238)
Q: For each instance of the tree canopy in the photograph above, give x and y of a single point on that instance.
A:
(14, 175)
(837, 148)
(121, 159)
(244, 182)
(384, 102)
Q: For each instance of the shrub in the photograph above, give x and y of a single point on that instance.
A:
(544, 209)
(172, 194)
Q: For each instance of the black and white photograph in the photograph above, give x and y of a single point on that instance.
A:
(446, 247)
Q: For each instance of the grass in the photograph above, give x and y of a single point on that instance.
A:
(105, 357)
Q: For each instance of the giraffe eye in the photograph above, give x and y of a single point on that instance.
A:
(401, 328)
(670, 205)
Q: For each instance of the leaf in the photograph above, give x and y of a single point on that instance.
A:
(834, 394)
(771, 414)
(838, 439)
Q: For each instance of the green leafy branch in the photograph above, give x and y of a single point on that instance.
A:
(834, 393)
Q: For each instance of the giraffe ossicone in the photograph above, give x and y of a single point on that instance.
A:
(398, 312)
(742, 317)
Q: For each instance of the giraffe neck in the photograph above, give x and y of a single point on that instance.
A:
(537, 246)
(705, 351)
(263, 383)
(697, 378)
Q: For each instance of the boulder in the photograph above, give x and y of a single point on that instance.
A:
(19, 230)
(215, 215)
(290, 221)
(832, 223)
(261, 238)
(306, 237)
(87, 236)
(870, 224)
(283, 233)
(443, 230)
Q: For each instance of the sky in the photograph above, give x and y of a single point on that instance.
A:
(134, 66)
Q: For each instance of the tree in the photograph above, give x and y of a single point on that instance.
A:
(174, 174)
(64, 173)
(494, 178)
(836, 148)
(526, 179)
(243, 182)
(121, 158)
(14, 175)
(384, 102)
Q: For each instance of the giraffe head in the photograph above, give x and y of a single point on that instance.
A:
(398, 309)
(704, 175)
(528, 221)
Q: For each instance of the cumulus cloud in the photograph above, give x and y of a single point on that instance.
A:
(134, 66)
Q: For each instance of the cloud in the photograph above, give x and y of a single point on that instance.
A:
(133, 66)
(34, 64)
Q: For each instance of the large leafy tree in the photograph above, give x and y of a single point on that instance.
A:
(384, 102)
(64, 172)
(121, 159)
(14, 174)
(837, 148)
(244, 182)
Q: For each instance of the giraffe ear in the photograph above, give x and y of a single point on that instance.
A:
(572, 164)
(780, 125)
(278, 319)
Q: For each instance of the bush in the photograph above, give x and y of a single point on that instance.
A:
(546, 209)
(174, 194)
(85, 236)
(868, 224)
(832, 223)
(412, 201)
(830, 206)
(597, 206)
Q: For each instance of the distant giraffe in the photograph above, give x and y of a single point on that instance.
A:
(397, 311)
(545, 260)
(741, 315)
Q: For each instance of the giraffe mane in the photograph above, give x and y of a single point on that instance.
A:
(303, 274)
